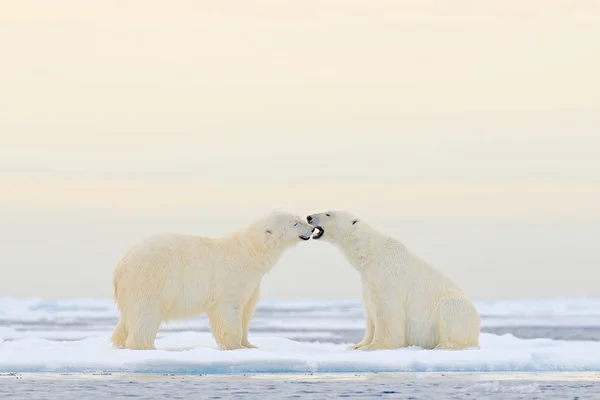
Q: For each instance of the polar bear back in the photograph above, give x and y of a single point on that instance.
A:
(185, 273)
(418, 283)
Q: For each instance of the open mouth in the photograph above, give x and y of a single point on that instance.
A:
(318, 232)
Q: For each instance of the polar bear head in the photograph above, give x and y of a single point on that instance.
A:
(334, 226)
(282, 230)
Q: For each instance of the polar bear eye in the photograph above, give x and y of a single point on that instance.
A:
(329, 215)
(296, 224)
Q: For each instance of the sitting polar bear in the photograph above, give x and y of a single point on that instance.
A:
(174, 276)
(407, 302)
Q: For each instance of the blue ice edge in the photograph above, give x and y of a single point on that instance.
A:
(272, 368)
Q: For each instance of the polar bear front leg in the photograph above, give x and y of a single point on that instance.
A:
(247, 317)
(390, 330)
(369, 326)
(368, 338)
(226, 325)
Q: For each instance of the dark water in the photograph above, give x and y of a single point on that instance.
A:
(399, 386)
(591, 333)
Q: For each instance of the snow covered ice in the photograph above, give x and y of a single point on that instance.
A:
(196, 353)
(73, 336)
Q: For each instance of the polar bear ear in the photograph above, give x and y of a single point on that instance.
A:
(354, 222)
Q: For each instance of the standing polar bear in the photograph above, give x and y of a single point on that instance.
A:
(407, 302)
(175, 276)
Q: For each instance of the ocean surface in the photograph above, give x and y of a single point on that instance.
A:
(529, 349)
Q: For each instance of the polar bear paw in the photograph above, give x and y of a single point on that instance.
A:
(356, 346)
(374, 347)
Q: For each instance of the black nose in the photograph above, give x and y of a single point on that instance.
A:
(309, 218)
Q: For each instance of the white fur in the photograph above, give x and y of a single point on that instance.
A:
(407, 302)
(175, 276)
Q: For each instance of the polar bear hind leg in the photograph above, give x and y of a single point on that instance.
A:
(142, 333)
(119, 335)
(459, 325)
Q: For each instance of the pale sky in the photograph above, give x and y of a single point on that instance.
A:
(468, 130)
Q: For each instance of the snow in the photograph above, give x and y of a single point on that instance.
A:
(192, 352)
(73, 336)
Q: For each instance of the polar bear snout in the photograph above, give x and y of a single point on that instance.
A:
(318, 229)
(313, 219)
(337, 225)
(307, 231)
(307, 237)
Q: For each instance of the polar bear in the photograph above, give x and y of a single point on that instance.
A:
(407, 302)
(174, 276)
